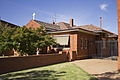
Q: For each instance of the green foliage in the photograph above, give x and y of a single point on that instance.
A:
(26, 41)
(5, 38)
(23, 40)
(43, 40)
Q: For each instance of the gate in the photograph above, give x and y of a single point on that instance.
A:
(106, 49)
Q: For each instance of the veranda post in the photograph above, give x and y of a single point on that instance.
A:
(118, 11)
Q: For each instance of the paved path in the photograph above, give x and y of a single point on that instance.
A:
(100, 68)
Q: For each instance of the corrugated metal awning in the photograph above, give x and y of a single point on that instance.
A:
(62, 39)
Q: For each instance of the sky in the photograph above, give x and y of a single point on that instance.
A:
(83, 12)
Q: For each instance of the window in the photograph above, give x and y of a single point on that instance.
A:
(81, 43)
(63, 41)
(86, 44)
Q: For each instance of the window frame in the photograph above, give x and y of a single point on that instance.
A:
(86, 44)
(58, 46)
(82, 44)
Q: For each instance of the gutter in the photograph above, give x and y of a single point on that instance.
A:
(72, 30)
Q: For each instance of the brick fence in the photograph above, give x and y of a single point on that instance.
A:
(24, 62)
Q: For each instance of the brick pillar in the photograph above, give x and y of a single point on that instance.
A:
(73, 44)
(118, 9)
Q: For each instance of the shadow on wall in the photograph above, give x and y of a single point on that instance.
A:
(37, 75)
(108, 76)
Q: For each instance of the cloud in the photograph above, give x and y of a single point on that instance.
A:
(103, 7)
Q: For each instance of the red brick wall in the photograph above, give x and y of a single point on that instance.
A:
(8, 53)
(33, 24)
(24, 62)
(118, 9)
(75, 44)
(83, 53)
(73, 41)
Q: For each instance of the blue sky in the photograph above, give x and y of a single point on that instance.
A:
(83, 12)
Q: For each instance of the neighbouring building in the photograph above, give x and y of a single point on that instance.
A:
(8, 24)
(74, 39)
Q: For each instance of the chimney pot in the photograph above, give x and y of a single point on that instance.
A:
(53, 22)
(71, 22)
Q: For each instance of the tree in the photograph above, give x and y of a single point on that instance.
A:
(23, 40)
(6, 43)
(44, 39)
(26, 41)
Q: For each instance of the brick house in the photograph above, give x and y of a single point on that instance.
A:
(72, 38)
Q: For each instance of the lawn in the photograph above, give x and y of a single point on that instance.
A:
(62, 71)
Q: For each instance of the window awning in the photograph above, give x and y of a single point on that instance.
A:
(62, 39)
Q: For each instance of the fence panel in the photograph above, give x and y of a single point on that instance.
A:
(106, 49)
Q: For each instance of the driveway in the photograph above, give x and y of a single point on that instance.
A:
(100, 68)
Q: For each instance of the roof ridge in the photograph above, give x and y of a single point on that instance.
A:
(9, 22)
(62, 22)
(95, 26)
(88, 25)
(48, 25)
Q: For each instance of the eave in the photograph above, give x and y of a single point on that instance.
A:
(73, 30)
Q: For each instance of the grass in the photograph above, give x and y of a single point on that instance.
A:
(62, 71)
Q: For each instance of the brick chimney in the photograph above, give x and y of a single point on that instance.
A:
(71, 22)
(53, 22)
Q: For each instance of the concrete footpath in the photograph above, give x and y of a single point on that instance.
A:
(100, 68)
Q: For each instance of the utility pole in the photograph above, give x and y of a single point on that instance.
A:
(100, 22)
(118, 11)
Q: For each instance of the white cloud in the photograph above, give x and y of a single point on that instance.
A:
(103, 7)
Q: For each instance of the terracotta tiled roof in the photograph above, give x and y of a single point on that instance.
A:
(91, 27)
(88, 27)
(48, 26)
(64, 25)
(95, 29)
